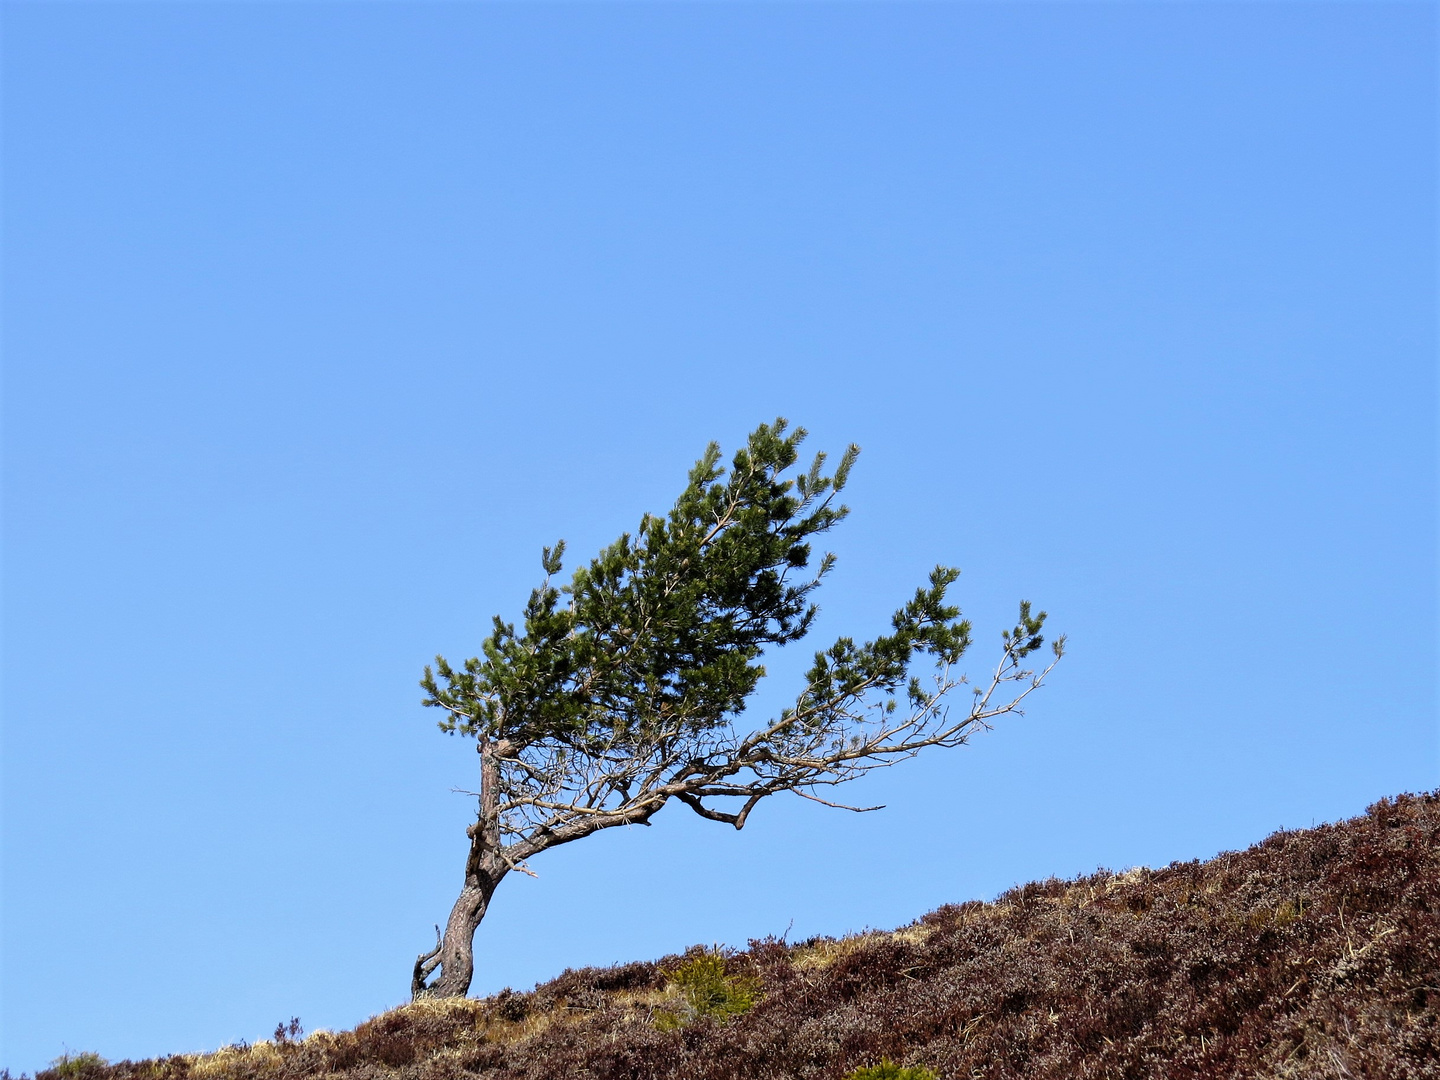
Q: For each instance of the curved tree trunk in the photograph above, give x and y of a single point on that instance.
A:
(454, 953)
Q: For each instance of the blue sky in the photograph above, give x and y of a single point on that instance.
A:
(321, 319)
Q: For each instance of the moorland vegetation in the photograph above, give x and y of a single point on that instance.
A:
(1314, 954)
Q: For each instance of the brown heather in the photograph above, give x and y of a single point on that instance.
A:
(1314, 954)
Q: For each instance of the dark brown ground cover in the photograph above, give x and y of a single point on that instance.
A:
(1314, 954)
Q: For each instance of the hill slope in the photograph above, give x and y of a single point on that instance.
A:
(1314, 954)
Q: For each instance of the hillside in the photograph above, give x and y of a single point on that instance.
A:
(1313, 954)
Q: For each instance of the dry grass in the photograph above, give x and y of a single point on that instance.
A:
(823, 952)
(260, 1058)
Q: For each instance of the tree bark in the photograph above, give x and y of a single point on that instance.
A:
(454, 954)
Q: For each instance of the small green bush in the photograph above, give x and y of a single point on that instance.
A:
(75, 1066)
(888, 1070)
(706, 991)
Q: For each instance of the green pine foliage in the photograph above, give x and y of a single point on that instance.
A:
(706, 991)
(670, 622)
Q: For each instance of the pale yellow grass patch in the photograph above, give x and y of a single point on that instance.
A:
(441, 1007)
(1133, 876)
(643, 999)
(261, 1056)
(826, 952)
(913, 935)
(510, 1032)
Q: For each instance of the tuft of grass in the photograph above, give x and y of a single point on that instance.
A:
(888, 1070)
(824, 952)
(228, 1061)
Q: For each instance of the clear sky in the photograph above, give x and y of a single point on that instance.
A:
(321, 319)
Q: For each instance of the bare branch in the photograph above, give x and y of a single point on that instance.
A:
(836, 805)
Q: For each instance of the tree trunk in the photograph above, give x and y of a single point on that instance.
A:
(454, 954)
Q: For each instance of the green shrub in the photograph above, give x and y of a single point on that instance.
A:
(75, 1066)
(888, 1070)
(705, 990)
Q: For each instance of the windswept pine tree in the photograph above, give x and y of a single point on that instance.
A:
(623, 690)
